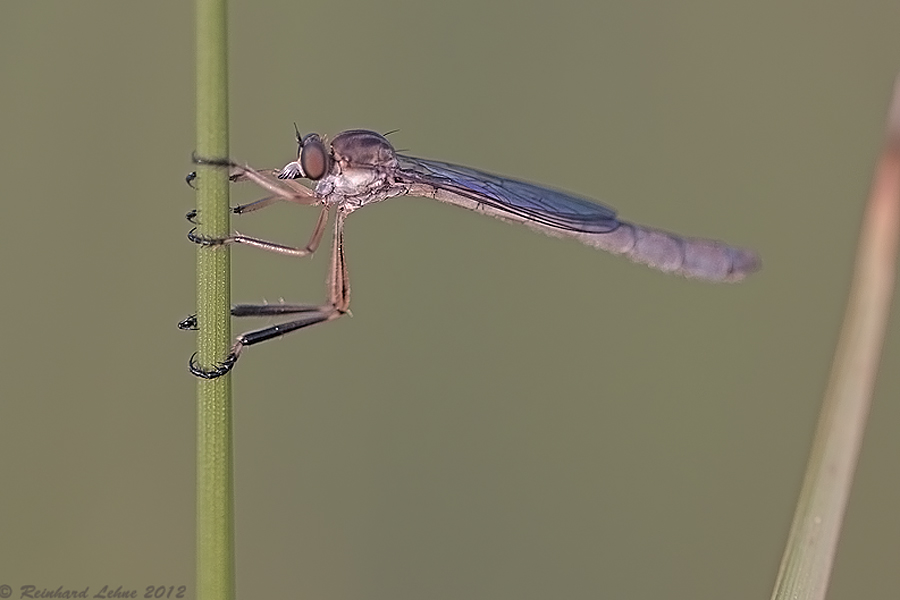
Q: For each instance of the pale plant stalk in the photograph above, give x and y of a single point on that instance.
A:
(812, 543)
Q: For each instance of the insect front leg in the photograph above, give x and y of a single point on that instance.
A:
(281, 190)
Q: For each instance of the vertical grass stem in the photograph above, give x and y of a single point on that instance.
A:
(215, 480)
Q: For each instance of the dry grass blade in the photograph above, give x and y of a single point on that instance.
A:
(809, 555)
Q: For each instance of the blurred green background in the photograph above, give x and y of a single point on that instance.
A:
(506, 415)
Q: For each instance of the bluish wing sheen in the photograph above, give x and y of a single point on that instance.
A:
(532, 202)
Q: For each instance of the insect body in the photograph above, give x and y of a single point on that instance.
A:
(360, 167)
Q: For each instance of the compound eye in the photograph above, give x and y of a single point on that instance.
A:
(314, 158)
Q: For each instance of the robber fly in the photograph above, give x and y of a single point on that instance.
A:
(360, 167)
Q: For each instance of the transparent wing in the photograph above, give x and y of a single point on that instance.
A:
(560, 213)
(535, 203)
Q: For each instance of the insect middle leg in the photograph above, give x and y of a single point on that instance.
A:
(237, 238)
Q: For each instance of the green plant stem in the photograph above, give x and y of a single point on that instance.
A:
(215, 480)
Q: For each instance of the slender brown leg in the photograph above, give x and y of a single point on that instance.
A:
(282, 190)
(243, 209)
(287, 189)
(314, 239)
(338, 277)
(338, 305)
(240, 209)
